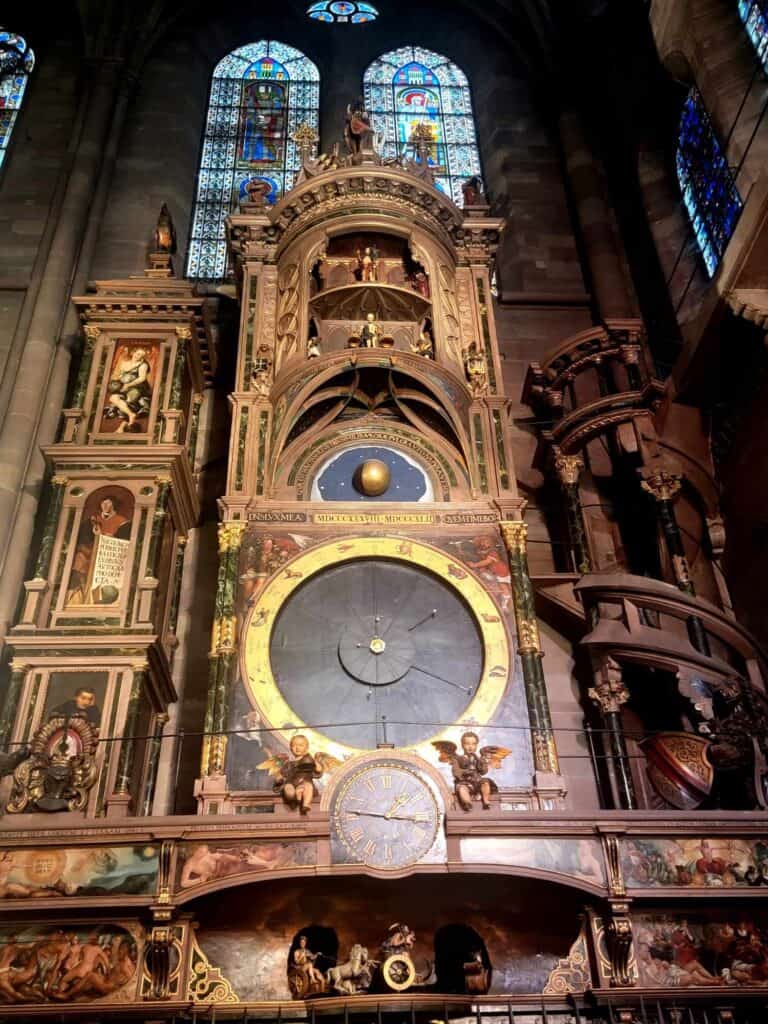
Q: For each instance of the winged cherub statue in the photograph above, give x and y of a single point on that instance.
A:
(470, 768)
(294, 776)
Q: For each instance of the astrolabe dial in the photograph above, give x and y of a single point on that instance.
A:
(375, 651)
(384, 815)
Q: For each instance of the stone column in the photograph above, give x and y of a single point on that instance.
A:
(153, 759)
(664, 487)
(529, 649)
(608, 282)
(609, 693)
(568, 469)
(223, 650)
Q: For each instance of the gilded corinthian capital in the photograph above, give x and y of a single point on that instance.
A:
(230, 536)
(661, 484)
(515, 534)
(568, 468)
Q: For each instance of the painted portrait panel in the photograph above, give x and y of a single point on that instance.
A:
(78, 872)
(63, 964)
(722, 862)
(713, 949)
(76, 695)
(130, 386)
(100, 562)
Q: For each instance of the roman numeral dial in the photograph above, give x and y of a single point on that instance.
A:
(384, 815)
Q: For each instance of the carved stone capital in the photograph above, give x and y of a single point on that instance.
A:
(230, 536)
(661, 484)
(91, 332)
(609, 691)
(629, 353)
(515, 535)
(183, 333)
(568, 468)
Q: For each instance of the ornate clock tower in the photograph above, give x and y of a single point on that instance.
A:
(373, 589)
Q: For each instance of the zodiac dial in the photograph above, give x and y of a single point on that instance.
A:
(384, 816)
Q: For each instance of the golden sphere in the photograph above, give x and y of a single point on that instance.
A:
(372, 478)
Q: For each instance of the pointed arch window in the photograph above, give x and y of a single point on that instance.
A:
(754, 14)
(260, 94)
(16, 63)
(413, 86)
(707, 184)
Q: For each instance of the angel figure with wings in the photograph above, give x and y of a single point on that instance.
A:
(294, 776)
(470, 768)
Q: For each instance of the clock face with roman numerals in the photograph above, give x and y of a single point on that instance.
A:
(384, 815)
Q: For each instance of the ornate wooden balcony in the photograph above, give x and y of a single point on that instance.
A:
(595, 379)
(646, 621)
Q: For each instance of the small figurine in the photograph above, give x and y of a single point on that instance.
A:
(470, 768)
(257, 190)
(165, 233)
(476, 976)
(294, 776)
(354, 975)
(423, 345)
(368, 264)
(370, 332)
(400, 939)
(472, 190)
(476, 369)
(313, 348)
(420, 283)
(357, 129)
(304, 959)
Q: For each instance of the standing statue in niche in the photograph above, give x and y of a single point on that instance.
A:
(165, 234)
(368, 264)
(424, 344)
(358, 133)
(470, 768)
(472, 190)
(370, 332)
(295, 776)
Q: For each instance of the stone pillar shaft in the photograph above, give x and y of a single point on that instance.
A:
(126, 760)
(529, 649)
(609, 693)
(568, 469)
(10, 707)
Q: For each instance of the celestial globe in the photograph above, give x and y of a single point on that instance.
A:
(372, 478)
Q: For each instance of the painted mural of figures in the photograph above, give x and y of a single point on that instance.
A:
(203, 864)
(129, 389)
(295, 776)
(485, 554)
(101, 554)
(41, 966)
(470, 768)
(82, 705)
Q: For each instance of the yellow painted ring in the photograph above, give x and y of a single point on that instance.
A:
(257, 632)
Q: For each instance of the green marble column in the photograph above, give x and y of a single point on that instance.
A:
(223, 650)
(57, 485)
(568, 469)
(159, 516)
(11, 705)
(609, 693)
(529, 649)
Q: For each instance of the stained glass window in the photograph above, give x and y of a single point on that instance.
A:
(412, 86)
(353, 12)
(260, 94)
(709, 190)
(754, 14)
(16, 62)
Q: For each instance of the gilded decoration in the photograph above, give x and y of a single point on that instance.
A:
(572, 973)
(264, 690)
(207, 984)
(230, 536)
(568, 468)
(662, 485)
(60, 770)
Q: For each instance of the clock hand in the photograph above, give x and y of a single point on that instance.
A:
(458, 686)
(421, 622)
(381, 814)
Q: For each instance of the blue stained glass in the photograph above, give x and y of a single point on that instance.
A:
(349, 12)
(260, 93)
(412, 86)
(754, 14)
(706, 182)
(16, 64)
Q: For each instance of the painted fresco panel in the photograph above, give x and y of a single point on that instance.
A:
(130, 388)
(581, 858)
(69, 964)
(722, 862)
(53, 872)
(201, 863)
(100, 566)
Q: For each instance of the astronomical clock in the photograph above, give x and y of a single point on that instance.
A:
(374, 595)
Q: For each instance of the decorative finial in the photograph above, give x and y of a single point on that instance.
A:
(305, 138)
